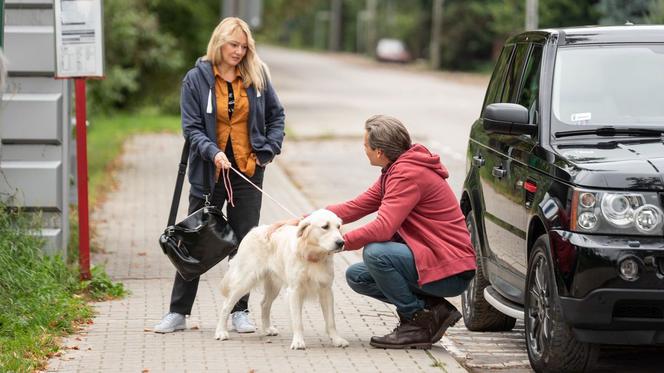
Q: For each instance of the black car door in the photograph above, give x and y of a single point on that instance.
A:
(505, 179)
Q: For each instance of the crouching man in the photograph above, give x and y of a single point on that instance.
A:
(417, 251)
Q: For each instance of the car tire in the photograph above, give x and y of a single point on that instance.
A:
(478, 314)
(551, 344)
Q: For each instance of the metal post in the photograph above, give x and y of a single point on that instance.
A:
(320, 26)
(82, 169)
(335, 25)
(532, 19)
(230, 8)
(2, 23)
(371, 26)
(436, 30)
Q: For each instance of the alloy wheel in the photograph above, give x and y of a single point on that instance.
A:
(539, 308)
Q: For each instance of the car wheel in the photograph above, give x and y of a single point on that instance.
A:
(478, 314)
(551, 344)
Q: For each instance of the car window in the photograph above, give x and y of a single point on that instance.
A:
(608, 85)
(529, 91)
(495, 89)
(514, 73)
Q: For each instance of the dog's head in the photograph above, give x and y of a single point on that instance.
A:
(321, 230)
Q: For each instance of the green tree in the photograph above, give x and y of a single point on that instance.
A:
(617, 12)
(656, 12)
(294, 22)
(468, 34)
(565, 13)
(190, 22)
(138, 55)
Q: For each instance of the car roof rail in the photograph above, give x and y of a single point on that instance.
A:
(562, 37)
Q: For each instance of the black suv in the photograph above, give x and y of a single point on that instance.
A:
(564, 193)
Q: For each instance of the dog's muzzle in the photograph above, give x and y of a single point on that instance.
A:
(339, 246)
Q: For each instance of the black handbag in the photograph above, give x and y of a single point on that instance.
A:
(202, 239)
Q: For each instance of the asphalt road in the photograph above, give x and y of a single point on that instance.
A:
(327, 99)
(328, 96)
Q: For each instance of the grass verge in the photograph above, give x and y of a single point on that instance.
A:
(41, 297)
(105, 138)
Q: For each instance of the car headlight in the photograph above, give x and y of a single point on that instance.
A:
(616, 212)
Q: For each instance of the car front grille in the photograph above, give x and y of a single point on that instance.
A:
(639, 309)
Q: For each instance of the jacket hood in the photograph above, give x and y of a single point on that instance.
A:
(205, 67)
(420, 156)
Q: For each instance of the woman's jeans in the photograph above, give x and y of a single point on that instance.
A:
(388, 274)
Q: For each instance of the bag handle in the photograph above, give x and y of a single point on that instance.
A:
(182, 170)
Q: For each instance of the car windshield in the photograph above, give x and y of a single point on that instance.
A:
(615, 86)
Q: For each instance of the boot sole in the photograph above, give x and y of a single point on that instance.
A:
(451, 320)
(416, 346)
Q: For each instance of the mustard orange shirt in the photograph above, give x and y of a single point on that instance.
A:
(235, 128)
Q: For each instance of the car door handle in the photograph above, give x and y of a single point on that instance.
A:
(499, 172)
(478, 161)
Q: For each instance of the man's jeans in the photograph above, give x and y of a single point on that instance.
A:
(388, 274)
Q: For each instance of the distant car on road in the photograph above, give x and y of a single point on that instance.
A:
(392, 50)
(564, 193)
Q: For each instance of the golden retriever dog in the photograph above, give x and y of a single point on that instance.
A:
(299, 258)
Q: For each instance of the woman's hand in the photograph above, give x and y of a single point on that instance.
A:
(221, 161)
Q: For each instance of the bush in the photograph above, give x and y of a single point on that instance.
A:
(41, 298)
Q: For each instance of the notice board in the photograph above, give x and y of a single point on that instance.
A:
(79, 38)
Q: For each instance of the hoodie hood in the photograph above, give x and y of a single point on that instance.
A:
(420, 156)
(205, 67)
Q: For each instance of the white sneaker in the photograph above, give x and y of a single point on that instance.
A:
(241, 322)
(170, 323)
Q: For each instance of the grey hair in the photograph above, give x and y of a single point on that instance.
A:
(387, 134)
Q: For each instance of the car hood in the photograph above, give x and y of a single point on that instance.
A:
(627, 164)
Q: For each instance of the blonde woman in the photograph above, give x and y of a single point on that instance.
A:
(232, 116)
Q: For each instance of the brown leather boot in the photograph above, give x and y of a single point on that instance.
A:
(444, 316)
(413, 333)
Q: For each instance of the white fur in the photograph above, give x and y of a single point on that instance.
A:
(297, 258)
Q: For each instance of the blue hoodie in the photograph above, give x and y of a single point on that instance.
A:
(198, 106)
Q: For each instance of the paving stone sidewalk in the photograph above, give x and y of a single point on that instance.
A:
(121, 340)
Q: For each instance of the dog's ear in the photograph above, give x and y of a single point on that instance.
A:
(301, 227)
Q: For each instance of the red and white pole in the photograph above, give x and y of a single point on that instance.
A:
(82, 170)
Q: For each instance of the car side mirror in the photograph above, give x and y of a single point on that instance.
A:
(508, 119)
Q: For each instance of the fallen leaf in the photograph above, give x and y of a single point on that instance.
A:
(195, 327)
(142, 254)
(145, 371)
(147, 330)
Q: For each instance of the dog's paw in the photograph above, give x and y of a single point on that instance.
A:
(339, 342)
(221, 335)
(298, 344)
(271, 331)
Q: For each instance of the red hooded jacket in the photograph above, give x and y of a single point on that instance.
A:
(413, 199)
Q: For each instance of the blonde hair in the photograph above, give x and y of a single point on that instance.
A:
(252, 69)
